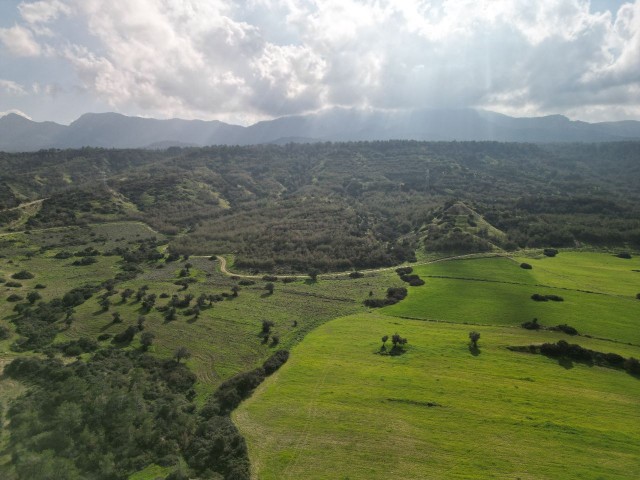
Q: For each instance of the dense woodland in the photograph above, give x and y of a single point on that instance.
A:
(339, 206)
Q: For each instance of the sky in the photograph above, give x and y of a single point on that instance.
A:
(245, 61)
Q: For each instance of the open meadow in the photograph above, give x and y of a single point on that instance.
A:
(340, 409)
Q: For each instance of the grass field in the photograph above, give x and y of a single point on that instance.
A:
(339, 410)
(496, 291)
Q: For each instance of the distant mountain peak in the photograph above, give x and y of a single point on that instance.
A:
(114, 130)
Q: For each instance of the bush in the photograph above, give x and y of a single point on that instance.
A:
(22, 275)
(544, 298)
(532, 325)
(84, 261)
(632, 366)
(4, 332)
(526, 266)
(40, 286)
(550, 252)
(625, 255)
(270, 278)
(246, 282)
(565, 329)
(404, 270)
(416, 282)
(14, 297)
(288, 280)
(356, 275)
(13, 284)
(63, 255)
(126, 336)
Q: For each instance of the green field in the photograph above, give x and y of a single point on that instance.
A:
(339, 410)
(496, 291)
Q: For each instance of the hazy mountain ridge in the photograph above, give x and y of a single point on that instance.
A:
(112, 130)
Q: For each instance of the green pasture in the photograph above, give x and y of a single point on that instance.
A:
(339, 410)
(598, 272)
(496, 291)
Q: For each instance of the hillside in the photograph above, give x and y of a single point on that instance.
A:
(338, 206)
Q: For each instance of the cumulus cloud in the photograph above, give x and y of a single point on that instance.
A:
(19, 41)
(263, 58)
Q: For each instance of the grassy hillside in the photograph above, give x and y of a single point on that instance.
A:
(339, 409)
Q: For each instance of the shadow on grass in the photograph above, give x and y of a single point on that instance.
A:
(474, 350)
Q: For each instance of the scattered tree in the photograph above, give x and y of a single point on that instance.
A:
(33, 297)
(474, 337)
(146, 340)
(269, 288)
(181, 353)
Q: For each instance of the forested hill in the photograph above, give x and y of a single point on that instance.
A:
(333, 206)
(111, 130)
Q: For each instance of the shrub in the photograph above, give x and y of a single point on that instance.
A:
(270, 278)
(126, 336)
(245, 282)
(632, 366)
(22, 275)
(404, 270)
(63, 255)
(40, 286)
(416, 282)
(84, 261)
(539, 298)
(13, 284)
(532, 325)
(356, 275)
(625, 255)
(14, 297)
(288, 280)
(565, 329)
(4, 332)
(550, 252)
(526, 266)
(637, 296)
(104, 336)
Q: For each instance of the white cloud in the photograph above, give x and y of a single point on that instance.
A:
(42, 11)
(261, 58)
(11, 87)
(19, 41)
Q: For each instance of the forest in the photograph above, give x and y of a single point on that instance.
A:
(338, 206)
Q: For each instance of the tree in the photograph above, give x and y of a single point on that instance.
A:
(266, 326)
(269, 288)
(146, 340)
(105, 303)
(141, 320)
(474, 337)
(181, 353)
(313, 274)
(384, 340)
(125, 294)
(33, 297)
(235, 289)
(116, 317)
(170, 314)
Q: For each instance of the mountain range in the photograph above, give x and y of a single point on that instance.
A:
(113, 130)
